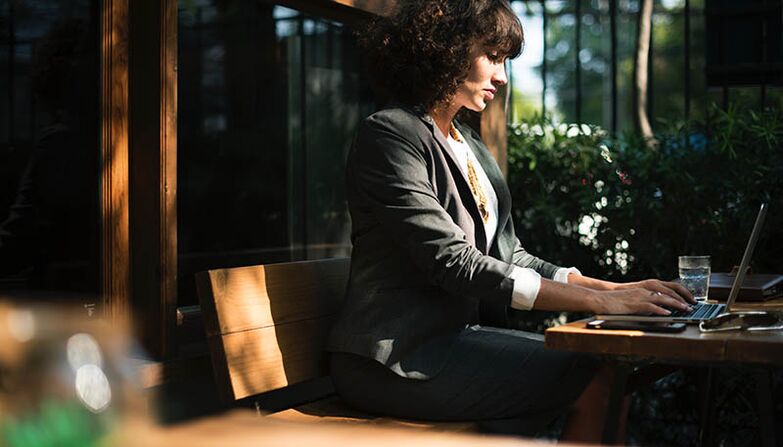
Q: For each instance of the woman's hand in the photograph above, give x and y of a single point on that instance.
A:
(669, 288)
(583, 293)
(636, 300)
(646, 296)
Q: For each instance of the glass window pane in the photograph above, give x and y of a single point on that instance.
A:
(595, 59)
(700, 100)
(746, 97)
(715, 96)
(268, 103)
(627, 18)
(49, 147)
(774, 98)
(668, 68)
(527, 83)
(558, 6)
(333, 107)
(669, 5)
(561, 66)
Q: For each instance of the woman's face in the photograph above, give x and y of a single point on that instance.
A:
(487, 72)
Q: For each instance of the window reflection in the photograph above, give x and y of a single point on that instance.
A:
(49, 145)
(667, 77)
(595, 58)
(561, 64)
(526, 70)
(268, 102)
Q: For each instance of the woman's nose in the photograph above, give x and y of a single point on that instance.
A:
(499, 76)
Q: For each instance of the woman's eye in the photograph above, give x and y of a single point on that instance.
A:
(494, 56)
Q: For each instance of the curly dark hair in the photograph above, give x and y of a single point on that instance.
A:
(421, 54)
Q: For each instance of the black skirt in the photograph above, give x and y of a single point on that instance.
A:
(503, 377)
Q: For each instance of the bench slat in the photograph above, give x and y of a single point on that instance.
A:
(267, 328)
(271, 358)
(246, 298)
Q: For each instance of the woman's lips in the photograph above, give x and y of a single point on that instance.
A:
(489, 94)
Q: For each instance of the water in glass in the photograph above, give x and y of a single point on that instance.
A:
(696, 280)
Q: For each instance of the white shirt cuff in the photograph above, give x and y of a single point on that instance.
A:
(561, 275)
(527, 283)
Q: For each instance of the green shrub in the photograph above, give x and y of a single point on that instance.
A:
(621, 209)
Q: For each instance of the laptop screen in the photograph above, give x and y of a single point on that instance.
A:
(754, 237)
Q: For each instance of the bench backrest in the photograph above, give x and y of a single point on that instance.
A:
(267, 325)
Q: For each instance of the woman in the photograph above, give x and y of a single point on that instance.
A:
(435, 258)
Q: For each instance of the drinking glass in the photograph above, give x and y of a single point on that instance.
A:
(695, 275)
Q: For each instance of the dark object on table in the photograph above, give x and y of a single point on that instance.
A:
(756, 287)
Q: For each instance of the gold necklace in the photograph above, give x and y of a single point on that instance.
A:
(455, 133)
(473, 181)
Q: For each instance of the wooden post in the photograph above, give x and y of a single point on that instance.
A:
(153, 214)
(168, 166)
(494, 129)
(114, 161)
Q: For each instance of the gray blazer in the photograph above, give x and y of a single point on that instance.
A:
(419, 271)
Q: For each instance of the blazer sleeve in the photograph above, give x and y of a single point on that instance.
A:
(524, 259)
(519, 256)
(389, 175)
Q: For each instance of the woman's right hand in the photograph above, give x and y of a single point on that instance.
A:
(636, 301)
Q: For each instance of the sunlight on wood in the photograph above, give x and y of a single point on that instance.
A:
(493, 128)
(114, 160)
(242, 298)
(243, 428)
(259, 349)
(270, 323)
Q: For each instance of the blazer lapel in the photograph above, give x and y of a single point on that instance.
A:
(471, 205)
(492, 170)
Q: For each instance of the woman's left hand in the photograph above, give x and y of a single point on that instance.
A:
(673, 289)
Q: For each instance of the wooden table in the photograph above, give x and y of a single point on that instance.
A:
(242, 428)
(690, 347)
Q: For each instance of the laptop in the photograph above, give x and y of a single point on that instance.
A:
(704, 311)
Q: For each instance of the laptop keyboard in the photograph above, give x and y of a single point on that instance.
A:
(699, 311)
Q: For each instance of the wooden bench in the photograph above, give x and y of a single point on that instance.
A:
(267, 328)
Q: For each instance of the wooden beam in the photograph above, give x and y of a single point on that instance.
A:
(168, 167)
(153, 156)
(168, 173)
(493, 128)
(491, 125)
(114, 160)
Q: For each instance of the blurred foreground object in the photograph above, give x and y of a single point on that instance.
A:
(241, 428)
(65, 380)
